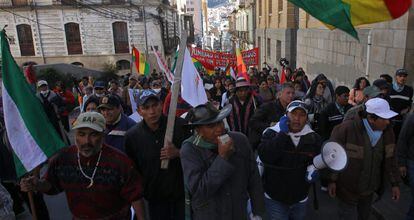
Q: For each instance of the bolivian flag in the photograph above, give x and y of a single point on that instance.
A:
(140, 62)
(346, 14)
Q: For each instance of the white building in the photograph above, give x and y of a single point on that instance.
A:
(90, 33)
(194, 8)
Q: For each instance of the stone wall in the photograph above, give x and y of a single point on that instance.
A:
(343, 58)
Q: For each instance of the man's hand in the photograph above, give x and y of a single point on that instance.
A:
(395, 193)
(403, 171)
(332, 189)
(29, 184)
(225, 150)
(169, 151)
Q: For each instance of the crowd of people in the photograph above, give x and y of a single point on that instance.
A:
(242, 155)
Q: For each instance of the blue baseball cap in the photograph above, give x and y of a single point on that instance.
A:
(99, 84)
(145, 95)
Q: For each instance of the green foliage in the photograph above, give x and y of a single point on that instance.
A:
(52, 76)
(109, 72)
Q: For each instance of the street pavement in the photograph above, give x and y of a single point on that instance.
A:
(385, 209)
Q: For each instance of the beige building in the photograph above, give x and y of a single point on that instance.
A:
(89, 33)
(383, 48)
(277, 22)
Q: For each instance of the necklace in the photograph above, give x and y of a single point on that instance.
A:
(90, 178)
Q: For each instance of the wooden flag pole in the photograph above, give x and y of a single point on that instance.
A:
(34, 172)
(32, 205)
(174, 96)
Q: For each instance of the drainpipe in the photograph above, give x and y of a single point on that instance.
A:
(368, 53)
(38, 32)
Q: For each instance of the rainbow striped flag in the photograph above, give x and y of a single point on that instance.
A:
(140, 62)
(346, 14)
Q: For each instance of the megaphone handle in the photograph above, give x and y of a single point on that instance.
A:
(309, 172)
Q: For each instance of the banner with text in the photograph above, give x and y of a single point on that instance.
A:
(211, 59)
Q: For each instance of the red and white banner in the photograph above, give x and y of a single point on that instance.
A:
(211, 59)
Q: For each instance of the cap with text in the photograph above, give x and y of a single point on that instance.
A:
(92, 120)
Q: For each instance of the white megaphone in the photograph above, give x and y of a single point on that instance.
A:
(333, 157)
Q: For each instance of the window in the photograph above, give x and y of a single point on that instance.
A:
(79, 64)
(24, 33)
(73, 39)
(123, 65)
(19, 2)
(268, 47)
(278, 49)
(120, 31)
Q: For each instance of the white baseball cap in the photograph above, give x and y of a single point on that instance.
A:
(380, 108)
(93, 120)
(41, 83)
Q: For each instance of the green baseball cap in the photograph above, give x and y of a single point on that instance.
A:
(93, 120)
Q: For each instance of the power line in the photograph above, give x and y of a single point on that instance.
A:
(46, 25)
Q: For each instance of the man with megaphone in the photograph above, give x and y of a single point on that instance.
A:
(370, 147)
(286, 150)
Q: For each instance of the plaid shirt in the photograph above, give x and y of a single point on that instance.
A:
(6, 203)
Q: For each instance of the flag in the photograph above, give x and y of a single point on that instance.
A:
(232, 73)
(31, 135)
(163, 66)
(241, 68)
(175, 60)
(346, 14)
(140, 62)
(283, 76)
(192, 88)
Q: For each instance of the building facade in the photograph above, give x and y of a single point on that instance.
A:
(243, 27)
(382, 49)
(277, 23)
(92, 33)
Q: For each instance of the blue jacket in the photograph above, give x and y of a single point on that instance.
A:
(115, 134)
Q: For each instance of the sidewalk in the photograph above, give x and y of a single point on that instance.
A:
(385, 209)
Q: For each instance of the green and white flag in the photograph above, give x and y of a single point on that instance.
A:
(31, 135)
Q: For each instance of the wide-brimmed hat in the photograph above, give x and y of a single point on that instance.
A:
(207, 114)
(242, 82)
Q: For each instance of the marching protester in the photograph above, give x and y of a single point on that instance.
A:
(132, 84)
(333, 113)
(405, 148)
(228, 94)
(99, 89)
(6, 205)
(244, 104)
(265, 93)
(316, 103)
(269, 114)
(370, 145)
(51, 102)
(217, 91)
(369, 92)
(356, 94)
(286, 149)
(117, 123)
(220, 174)
(68, 103)
(91, 104)
(401, 98)
(328, 93)
(114, 88)
(89, 168)
(144, 144)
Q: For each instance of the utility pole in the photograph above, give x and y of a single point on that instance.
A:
(145, 32)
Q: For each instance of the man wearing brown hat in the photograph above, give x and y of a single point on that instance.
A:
(220, 171)
(132, 84)
(99, 181)
(244, 104)
(117, 123)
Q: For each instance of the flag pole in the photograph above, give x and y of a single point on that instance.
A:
(174, 96)
(132, 59)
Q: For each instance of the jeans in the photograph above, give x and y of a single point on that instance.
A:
(410, 174)
(280, 211)
(161, 210)
(360, 211)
